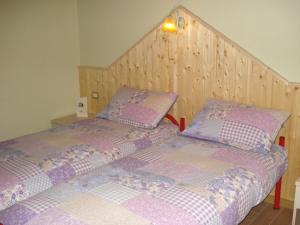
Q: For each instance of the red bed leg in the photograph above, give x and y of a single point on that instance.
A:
(277, 195)
(278, 184)
(182, 124)
(282, 141)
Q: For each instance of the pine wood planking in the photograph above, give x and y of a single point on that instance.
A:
(199, 63)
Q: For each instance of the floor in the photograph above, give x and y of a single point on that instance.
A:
(264, 214)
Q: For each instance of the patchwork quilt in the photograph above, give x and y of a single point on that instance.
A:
(180, 182)
(34, 163)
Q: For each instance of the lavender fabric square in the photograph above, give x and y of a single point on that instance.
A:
(16, 214)
(243, 126)
(141, 108)
(129, 163)
(143, 143)
(197, 206)
(7, 179)
(230, 215)
(61, 173)
(55, 216)
(158, 211)
(141, 114)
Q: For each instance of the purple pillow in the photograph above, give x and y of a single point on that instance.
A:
(243, 126)
(139, 108)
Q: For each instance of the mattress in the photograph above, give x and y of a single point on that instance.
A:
(36, 162)
(181, 181)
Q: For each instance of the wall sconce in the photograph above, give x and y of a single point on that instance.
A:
(169, 25)
(172, 23)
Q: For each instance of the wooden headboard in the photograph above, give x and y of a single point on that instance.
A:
(199, 62)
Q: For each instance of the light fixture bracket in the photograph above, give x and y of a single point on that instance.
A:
(173, 22)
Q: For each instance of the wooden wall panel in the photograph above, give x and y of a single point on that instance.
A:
(199, 62)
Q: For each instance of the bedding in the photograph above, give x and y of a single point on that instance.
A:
(141, 108)
(182, 181)
(243, 126)
(34, 163)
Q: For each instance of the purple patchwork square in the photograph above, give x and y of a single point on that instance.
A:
(101, 144)
(8, 179)
(55, 216)
(143, 143)
(61, 173)
(254, 117)
(230, 214)
(139, 113)
(245, 160)
(177, 171)
(191, 202)
(241, 134)
(21, 167)
(129, 164)
(16, 214)
(158, 211)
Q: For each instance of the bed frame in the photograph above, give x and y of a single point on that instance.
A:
(181, 126)
(278, 184)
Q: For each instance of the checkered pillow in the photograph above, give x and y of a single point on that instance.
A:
(139, 108)
(243, 126)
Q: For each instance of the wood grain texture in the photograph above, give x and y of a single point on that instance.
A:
(264, 214)
(68, 119)
(198, 63)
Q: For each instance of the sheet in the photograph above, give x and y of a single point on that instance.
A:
(34, 163)
(180, 182)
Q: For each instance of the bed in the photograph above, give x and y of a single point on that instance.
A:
(36, 162)
(33, 163)
(181, 181)
(213, 173)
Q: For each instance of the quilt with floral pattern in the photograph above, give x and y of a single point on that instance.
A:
(182, 181)
(34, 163)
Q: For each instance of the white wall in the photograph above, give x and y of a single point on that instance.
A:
(107, 28)
(39, 55)
(270, 30)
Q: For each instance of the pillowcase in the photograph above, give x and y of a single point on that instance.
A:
(243, 126)
(139, 108)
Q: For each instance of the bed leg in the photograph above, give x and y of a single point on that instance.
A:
(182, 124)
(277, 195)
(282, 141)
(278, 184)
